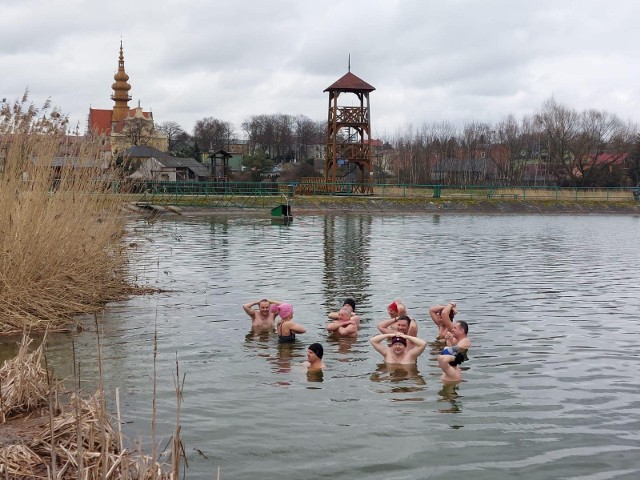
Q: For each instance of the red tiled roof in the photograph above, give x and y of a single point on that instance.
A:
(611, 158)
(100, 120)
(350, 82)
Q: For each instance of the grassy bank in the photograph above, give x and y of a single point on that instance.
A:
(60, 237)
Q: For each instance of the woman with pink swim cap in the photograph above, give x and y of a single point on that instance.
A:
(286, 328)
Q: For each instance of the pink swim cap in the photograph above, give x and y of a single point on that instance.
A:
(285, 310)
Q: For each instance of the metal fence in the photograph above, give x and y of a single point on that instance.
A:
(268, 194)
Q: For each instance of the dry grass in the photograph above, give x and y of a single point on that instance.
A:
(44, 438)
(60, 230)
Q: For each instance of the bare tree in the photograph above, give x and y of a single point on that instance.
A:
(213, 134)
(600, 145)
(307, 134)
(173, 131)
(138, 130)
(516, 145)
(559, 125)
(583, 147)
(475, 151)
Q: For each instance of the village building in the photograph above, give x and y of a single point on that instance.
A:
(150, 164)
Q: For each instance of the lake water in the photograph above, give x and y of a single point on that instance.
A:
(551, 390)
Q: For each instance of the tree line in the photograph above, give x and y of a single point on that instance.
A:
(556, 145)
(279, 137)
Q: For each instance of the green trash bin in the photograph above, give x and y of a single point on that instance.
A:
(437, 191)
(281, 211)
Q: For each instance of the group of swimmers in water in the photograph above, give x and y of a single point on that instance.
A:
(397, 342)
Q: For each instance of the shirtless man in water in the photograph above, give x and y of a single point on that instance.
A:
(261, 317)
(345, 325)
(454, 353)
(398, 353)
(314, 357)
(396, 311)
(402, 324)
(350, 304)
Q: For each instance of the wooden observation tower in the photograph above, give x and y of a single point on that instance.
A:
(349, 135)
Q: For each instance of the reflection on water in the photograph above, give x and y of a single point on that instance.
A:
(315, 375)
(550, 301)
(346, 259)
(449, 394)
(342, 345)
(400, 379)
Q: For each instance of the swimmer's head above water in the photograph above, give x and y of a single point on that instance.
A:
(317, 349)
(351, 302)
(285, 310)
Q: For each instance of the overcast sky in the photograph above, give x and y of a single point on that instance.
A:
(454, 60)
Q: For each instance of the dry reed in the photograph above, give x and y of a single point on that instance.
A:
(41, 439)
(60, 226)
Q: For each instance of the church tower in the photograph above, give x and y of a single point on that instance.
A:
(120, 95)
(124, 126)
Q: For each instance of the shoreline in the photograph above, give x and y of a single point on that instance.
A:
(301, 206)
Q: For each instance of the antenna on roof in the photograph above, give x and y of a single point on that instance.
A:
(349, 62)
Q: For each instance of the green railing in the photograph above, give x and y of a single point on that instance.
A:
(267, 195)
(212, 194)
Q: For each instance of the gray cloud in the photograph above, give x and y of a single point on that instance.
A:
(459, 60)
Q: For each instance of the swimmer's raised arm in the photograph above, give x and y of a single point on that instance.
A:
(376, 342)
(447, 314)
(435, 311)
(384, 326)
(247, 307)
(419, 344)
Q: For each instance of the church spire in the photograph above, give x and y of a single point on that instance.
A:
(121, 89)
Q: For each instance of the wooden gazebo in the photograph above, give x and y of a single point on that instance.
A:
(220, 165)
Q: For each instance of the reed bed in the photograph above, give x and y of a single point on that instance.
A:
(24, 384)
(61, 227)
(42, 437)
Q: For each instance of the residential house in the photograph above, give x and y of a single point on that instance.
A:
(149, 163)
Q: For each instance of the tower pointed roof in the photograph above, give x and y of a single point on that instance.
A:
(350, 82)
(121, 89)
